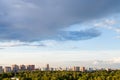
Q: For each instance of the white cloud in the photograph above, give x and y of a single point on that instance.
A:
(18, 43)
(106, 23)
(117, 37)
(11, 43)
(110, 24)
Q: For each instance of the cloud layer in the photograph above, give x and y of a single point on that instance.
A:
(30, 20)
(61, 36)
(78, 35)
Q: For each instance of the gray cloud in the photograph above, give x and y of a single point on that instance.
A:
(1, 48)
(29, 20)
(54, 40)
(78, 35)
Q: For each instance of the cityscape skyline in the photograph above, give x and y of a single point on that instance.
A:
(31, 67)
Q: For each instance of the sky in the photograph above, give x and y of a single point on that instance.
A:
(79, 32)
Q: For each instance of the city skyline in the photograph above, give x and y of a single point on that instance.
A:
(67, 32)
(31, 67)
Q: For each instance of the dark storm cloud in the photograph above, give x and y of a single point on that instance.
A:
(30, 20)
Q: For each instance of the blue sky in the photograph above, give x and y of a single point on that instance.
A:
(43, 31)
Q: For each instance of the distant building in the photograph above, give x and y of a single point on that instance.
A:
(22, 67)
(67, 69)
(43, 69)
(60, 69)
(47, 68)
(30, 67)
(90, 69)
(7, 69)
(51, 69)
(1, 69)
(82, 69)
(57, 69)
(76, 68)
(108, 69)
(15, 68)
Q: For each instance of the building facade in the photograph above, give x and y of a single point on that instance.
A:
(22, 67)
(15, 68)
(82, 69)
(1, 69)
(30, 67)
(7, 69)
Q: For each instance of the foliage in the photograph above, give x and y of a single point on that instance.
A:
(63, 75)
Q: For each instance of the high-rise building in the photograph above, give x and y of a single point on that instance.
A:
(7, 69)
(22, 67)
(15, 68)
(76, 68)
(82, 69)
(30, 67)
(47, 68)
(1, 69)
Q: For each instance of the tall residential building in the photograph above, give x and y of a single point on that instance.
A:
(7, 69)
(30, 67)
(47, 68)
(15, 68)
(22, 67)
(76, 68)
(82, 69)
(1, 69)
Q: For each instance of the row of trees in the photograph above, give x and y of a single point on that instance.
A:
(63, 75)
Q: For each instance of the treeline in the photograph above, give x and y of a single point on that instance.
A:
(63, 75)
